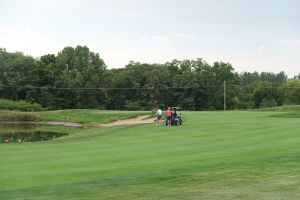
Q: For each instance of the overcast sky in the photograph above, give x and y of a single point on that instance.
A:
(256, 35)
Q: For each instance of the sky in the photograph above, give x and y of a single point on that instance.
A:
(256, 35)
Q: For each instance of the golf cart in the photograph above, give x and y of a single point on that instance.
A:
(176, 118)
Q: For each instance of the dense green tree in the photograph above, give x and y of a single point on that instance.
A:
(291, 91)
(79, 78)
(266, 94)
(79, 68)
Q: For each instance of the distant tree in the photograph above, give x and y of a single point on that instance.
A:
(297, 77)
(80, 68)
(281, 77)
(291, 91)
(266, 94)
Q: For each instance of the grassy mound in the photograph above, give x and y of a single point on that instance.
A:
(288, 111)
(287, 108)
(287, 115)
(88, 116)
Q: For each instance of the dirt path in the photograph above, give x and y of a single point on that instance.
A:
(144, 119)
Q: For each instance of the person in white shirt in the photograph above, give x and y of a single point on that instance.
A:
(158, 116)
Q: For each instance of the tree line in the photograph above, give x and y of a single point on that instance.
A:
(79, 78)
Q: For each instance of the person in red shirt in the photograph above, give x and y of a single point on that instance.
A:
(168, 116)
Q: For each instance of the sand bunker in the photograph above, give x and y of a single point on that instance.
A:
(144, 119)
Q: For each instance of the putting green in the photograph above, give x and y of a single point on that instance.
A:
(214, 155)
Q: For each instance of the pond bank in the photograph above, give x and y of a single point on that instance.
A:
(67, 124)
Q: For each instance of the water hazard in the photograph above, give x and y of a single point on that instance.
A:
(22, 132)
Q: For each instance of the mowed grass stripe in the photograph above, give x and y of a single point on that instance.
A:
(176, 145)
(213, 145)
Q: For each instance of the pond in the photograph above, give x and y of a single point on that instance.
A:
(23, 132)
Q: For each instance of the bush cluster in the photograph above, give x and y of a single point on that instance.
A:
(21, 105)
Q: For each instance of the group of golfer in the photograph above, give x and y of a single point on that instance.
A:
(168, 116)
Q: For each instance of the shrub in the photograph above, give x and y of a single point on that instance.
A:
(6, 104)
(268, 103)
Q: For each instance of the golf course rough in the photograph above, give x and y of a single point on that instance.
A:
(214, 155)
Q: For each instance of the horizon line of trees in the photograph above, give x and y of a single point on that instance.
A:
(79, 78)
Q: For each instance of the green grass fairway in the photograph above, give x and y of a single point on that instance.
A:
(214, 155)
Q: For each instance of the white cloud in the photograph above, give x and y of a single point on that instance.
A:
(56, 3)
(27, 40)
(184, 36)
(260, 50)
(290, 41)
(162, 39)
